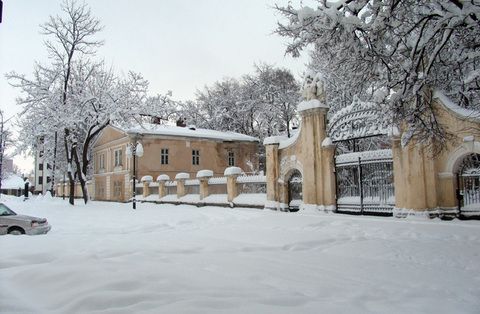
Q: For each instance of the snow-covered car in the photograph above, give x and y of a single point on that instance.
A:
(11, 223)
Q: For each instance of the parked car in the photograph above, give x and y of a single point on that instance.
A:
(11, 223)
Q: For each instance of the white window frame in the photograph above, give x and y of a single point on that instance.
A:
(195, 157)
(164, 156)
(101, 161)
(231, 159)
(118, 156)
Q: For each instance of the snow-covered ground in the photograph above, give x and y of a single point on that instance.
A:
(107, 258)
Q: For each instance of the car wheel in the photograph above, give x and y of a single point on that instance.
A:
(16, 231)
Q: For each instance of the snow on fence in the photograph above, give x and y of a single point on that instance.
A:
(365, 157)
(171, 187)
(192, 186)
(248, 190)
(217, 185)
(218, 180)
(252, 184)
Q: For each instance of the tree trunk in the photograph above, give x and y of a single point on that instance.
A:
(71, 177)
(81, 175)
(71, 198)
(54, 163)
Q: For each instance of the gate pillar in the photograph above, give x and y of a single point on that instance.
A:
(317, 157)
(271, 151)
(414, 177)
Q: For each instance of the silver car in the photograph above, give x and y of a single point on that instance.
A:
(12, 223)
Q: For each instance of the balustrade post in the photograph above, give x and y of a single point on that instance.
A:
(161, 179)
(180, 178)
(232, 173)
(146, 183)
(203, 176)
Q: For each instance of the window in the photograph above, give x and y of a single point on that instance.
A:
(195, 157)
(40, 166)
(40, 180)
(231, 159)
(48, 179)
(117, 188)
(101, 161)
(118, 157)
(164, 156)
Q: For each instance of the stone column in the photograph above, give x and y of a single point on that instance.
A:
(414, 176)
(146, 182)
(314, 160)
(232, 173)
(161, 179)
(328, 171)
(180, 178)
(203, 176)
(273, 164)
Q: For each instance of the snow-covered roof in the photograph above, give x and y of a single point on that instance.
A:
(274, 139)
(168, 130)
(13, 182)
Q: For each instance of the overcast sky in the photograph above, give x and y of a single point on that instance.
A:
(177, 45)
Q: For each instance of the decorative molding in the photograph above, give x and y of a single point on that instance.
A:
(445, 175)
(287, 164)
(455, 157)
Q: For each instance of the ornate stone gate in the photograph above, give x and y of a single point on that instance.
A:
(421, 184)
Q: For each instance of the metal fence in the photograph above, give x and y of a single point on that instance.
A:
(217, 185)
(364, 182)
(192, 186)
(252, 184)
(171, 187)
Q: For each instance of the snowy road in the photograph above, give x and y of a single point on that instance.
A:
(107, 258)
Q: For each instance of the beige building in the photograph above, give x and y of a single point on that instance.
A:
(166, 150)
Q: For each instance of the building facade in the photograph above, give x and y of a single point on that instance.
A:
(166, 150)
(42, 170)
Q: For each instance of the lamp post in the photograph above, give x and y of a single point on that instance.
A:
(133, 150)
(63, 186)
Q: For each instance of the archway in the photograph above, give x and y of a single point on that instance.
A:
(295, 191)
(468, 183)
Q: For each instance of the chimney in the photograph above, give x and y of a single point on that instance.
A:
(182, 122)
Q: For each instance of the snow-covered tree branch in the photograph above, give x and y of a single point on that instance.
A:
(70, 101)
(394, 52)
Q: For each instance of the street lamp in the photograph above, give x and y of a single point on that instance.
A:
(133, 150)
(63, 186)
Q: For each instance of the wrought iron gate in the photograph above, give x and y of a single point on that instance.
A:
(468, 182)
(295, 194)
(364, 182)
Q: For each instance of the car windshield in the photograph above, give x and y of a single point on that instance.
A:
(5, 211)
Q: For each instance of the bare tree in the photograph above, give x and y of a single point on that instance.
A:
(77, 97)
